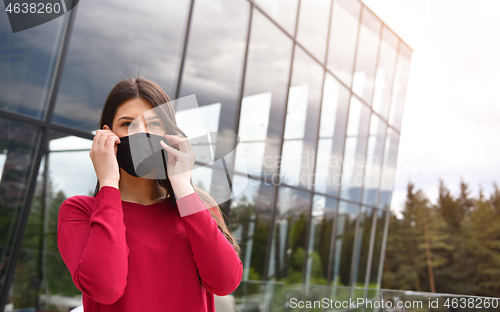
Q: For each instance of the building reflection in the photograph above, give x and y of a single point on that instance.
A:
(314, 89)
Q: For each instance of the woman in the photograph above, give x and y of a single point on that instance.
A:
(143, 244)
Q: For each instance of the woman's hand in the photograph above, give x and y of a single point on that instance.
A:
(103, 155)
(179, 164)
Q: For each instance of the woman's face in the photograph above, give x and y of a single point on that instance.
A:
(137, 115)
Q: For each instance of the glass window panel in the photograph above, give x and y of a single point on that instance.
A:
(18, 143)
(66, 170)
(344, 243)
(254, 120)
(289, 236)
(27, 61)
(355, 147)
(343, 36)
(202, 177)
(296, 111)
(250, 215)
(313, 26)
(210, 172)
(196, 122)
(144, 38)
(374, 156)
(250, 158)
(389, 168)
(267, 73)
(291, 163)
(363, 246)
(70, 167)
(377, 248)
(301, 124)
(385, 72)
(400, 84)
(214, 181)
(325, 163)
(284, 12)
(320, 238)
(334, 110)
(366, 56)
(215, 56)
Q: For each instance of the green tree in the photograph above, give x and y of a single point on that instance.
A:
(484, 244)
(416, 246)
(457, 241)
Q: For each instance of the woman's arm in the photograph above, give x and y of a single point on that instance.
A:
(218, 264)
(92, 244)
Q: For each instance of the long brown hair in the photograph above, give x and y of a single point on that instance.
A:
(146, 89)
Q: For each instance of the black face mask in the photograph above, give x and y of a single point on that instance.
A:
(141, 153)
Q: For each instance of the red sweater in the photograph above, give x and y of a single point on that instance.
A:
(128, 257)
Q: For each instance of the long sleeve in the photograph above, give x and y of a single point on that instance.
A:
(218, 264)
(93, 245)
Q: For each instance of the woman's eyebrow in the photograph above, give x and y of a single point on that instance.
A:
(125, 117)
(130, 118)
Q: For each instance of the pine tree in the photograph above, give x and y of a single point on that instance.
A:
(484, 244)
(450, 209)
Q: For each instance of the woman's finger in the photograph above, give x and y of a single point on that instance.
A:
(170, 149)
(102, 137)
(183, 143)
(111, 140)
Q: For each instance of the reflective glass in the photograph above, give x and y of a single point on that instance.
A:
(366, 56)
(18, 143)
(378, 241)
(344, 243)
(214, 63)
(27, 62)
(284, 12)
(301, 124)
(66, 170)
(320, 240)
(363, 246)
(114, 40)
(215, 56)
(374, 155)
(213, 164)
(313, 26)
(334, 109)
(264, 97)
(288, 245)
(354, 160)
(343, 36)
(258, 296)
(272, 296)
(250, 217)
(385, 72)
(400, 84)
(389, 168)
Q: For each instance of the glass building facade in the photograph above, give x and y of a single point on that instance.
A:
(314, 89)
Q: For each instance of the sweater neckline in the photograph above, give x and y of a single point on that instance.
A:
(159, 205)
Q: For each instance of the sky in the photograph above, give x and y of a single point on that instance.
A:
(450, 128)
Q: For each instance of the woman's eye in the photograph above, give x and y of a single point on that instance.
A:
(155, 124)
(126, 124)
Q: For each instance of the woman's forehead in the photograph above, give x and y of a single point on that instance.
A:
(135, 108)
